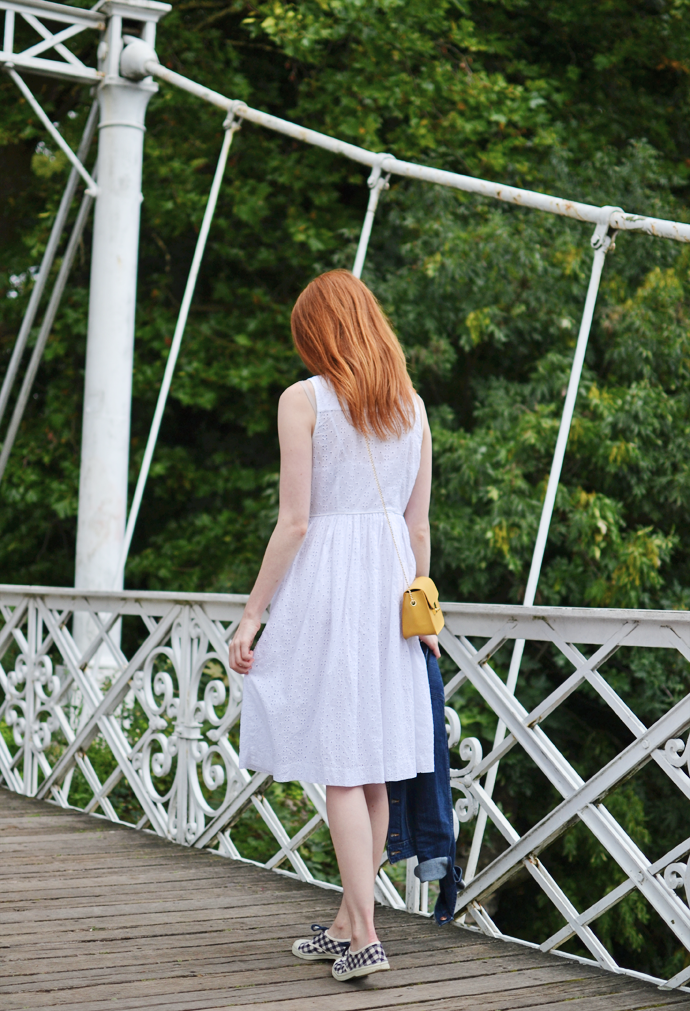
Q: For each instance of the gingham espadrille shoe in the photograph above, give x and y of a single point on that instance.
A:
(371, 958)
(321, 945)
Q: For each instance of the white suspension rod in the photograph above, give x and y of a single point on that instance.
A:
(46, 264)
(45, 330)
(510, 194)
(546, 514)
(8, 34)
(230, 127)
(377, 183)
(92, 189)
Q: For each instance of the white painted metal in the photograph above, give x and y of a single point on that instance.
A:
(582, 797)
(53, 131)
(70, 67)
(54, 12)
(192, 700)
(110, 341)
(44, 332)
(601, 243)
(53, 40)
(377, 184)
(107, 399)
(230, 126)
(620, 220)
(51, 249)
(51, 68)
(8, 33)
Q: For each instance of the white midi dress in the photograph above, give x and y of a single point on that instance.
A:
(336, 695)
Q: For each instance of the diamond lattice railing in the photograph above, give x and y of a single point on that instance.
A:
(35, 36)
(658, 880)
(145, 679)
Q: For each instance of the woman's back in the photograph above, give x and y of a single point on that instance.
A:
(343, 480)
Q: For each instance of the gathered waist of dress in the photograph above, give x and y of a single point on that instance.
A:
(357, 512)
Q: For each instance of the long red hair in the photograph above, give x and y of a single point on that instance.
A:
(341, 333)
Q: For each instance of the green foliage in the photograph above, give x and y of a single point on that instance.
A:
(586, 100)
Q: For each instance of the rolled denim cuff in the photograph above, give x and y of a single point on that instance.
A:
(432, 870)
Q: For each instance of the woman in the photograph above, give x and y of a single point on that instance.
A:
(335, 695)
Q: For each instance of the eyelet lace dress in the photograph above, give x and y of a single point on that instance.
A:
(336, 695)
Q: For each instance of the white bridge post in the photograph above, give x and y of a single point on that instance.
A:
(110, 340)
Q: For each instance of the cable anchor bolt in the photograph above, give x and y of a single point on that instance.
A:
(375, 180)
(233, 119)
(604, 236)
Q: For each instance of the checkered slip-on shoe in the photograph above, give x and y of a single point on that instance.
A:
(321, 945)
(372, 958)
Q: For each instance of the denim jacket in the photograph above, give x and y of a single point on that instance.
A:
(421, 811)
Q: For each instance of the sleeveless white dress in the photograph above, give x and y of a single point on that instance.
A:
(336, 695)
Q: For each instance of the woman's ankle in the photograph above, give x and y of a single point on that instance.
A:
(363, 940)
(340, 931)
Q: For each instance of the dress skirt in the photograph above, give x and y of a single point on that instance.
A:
(336, 695)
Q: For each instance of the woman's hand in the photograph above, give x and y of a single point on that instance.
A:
(432, 642)
(241, 652)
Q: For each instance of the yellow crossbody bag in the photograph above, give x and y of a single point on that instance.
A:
(421, 612)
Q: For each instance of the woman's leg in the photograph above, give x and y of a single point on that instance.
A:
(377, 803)
(358, 817)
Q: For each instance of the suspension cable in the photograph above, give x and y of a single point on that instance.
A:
(602, 242)
(47, 262)
(44, 333)
(377, 183)
(231, 125)
(52, 130)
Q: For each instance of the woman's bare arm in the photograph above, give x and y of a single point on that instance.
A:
(296, 419)
(417, 517)
(417, 512)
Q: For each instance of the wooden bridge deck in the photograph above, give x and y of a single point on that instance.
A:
(94, 917)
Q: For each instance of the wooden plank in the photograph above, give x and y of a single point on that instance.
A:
(146, 891)
(284, 985)
(119, 913)
(172, 904)
(623, 1002)
(593, 996)
(269, 970)
(189, 995)
(111, 871)
(256, 953)
(209, 947)
(191, 877)
(163, 926)
(130, 920)
(131, 866)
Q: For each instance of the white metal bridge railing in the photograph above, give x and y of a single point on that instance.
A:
(180, 768)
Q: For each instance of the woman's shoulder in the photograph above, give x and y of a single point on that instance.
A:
(293, 394)
(420, 407)
(297, 399)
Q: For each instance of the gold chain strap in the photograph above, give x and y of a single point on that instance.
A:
(390, 527)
